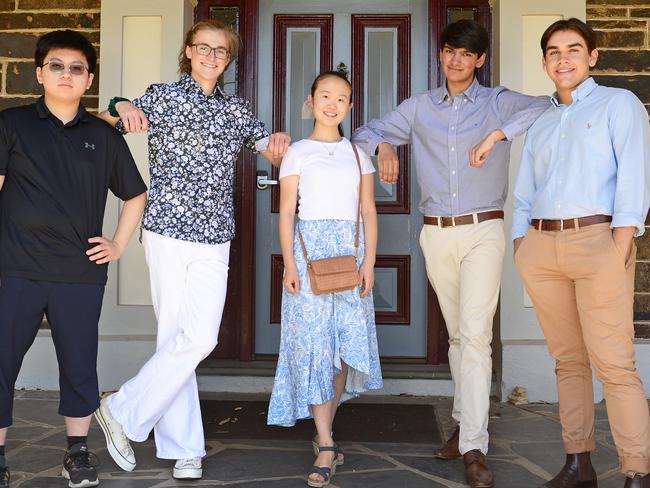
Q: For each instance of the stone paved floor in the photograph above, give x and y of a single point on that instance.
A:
(524, 451)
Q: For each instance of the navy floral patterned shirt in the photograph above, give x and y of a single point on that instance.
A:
(194, 140)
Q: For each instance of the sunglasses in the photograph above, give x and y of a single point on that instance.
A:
(58, 67)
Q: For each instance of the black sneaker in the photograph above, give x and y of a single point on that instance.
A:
(79, 467)
(4, 473)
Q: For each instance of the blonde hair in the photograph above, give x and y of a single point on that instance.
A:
(234, 42)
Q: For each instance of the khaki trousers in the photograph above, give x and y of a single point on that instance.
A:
(464, 266)
(583, 290)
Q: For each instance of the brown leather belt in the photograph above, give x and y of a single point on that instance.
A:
(542, 224)
(463, 219)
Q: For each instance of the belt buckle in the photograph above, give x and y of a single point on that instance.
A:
(453, 221)
(561, 225)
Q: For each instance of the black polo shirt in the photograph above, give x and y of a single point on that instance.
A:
(57, 179)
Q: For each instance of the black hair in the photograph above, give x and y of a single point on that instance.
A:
(466, 34)
(341, 74)
(65, 39)
(573, 24)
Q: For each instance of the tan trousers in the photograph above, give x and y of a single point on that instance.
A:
(464, 266)
(583, 290)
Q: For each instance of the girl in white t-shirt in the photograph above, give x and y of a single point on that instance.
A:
(329, 342)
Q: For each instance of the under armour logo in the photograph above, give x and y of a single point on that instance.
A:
(88, 145)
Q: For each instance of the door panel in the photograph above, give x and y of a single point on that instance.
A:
(376, 47)
(381, 75)
(237, 326)
(302, 48)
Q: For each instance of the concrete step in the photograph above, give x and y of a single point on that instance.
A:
(220, 376)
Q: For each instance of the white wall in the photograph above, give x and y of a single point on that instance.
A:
(518, 27)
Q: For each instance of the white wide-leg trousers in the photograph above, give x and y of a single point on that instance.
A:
(188, 290)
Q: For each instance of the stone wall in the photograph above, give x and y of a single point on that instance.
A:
(623, 30)
(21, 23)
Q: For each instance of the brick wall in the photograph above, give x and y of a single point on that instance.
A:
(21, 22)
(623, 30)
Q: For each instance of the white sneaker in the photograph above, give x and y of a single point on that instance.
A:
(188, 469)
(116, 441)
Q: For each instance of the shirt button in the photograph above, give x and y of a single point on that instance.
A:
(558, 205)
(453, 171)
(453, 195)
(456, 107)
(452, 127)
(452, 148)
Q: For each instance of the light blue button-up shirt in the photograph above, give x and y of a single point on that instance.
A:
(591, 157)
(442, 129)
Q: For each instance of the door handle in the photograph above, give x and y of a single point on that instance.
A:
(263, 181)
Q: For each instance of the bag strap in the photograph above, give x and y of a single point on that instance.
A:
(356, 237)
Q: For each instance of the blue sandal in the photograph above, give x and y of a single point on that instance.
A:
(340, 460)
(324, 472)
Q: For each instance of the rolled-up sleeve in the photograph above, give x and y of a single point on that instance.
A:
(393, 128)
(518, 111)
(254, 132)
(146, 103)
(630, 133)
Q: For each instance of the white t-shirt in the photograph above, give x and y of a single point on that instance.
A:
(329, 183)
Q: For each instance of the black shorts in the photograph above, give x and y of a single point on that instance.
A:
(72, 310)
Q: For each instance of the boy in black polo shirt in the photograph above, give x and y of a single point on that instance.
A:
(57, 164)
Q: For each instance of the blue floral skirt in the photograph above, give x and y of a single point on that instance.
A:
(320, 332)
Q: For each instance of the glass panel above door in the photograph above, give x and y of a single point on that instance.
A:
(459, 13)
(229, 16)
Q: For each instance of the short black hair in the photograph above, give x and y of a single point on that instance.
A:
(573, 24)
(65, 39)
(466, 34)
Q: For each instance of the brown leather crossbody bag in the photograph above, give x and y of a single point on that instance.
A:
(339, 273)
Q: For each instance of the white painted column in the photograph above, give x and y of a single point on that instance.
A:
(140, 43)
(518, 26)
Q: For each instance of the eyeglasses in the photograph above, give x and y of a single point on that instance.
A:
(58, 67)
(205, 50)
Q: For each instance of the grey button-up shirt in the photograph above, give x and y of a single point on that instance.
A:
(442, 129)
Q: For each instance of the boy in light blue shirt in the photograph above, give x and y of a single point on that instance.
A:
(580, 198)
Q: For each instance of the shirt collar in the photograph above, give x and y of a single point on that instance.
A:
(44, 112)
(580, 93)
(193, 86)
(470, 93)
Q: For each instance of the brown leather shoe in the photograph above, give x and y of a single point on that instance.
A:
(639, 481)
(576, 473)
(450, 449)
(477, 471)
